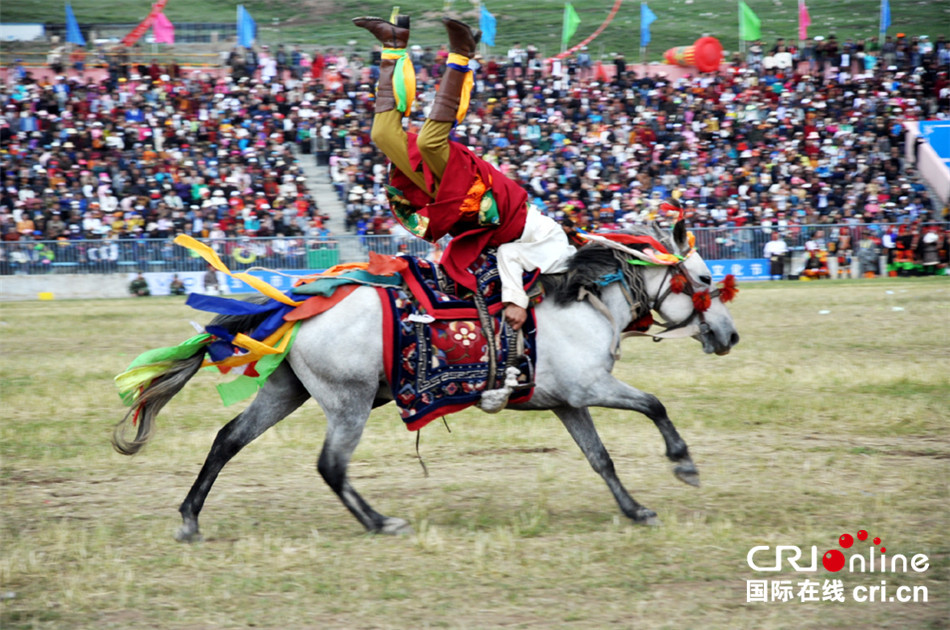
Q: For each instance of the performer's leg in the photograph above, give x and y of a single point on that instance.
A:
(451, 102)
(393, 101)
(433, 145)
(389, 136)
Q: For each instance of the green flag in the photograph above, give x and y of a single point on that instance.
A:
(571, 21)
(749, 24)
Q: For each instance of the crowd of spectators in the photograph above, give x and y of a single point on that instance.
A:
(153, 151)
(813, 144)
(144, 154)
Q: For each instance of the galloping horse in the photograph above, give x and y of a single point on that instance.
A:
(337, 359)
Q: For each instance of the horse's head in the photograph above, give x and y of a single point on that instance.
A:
(656, 271)
(687, 300)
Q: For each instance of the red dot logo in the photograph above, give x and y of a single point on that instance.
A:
(877, 541)
(862, 535)
(845, 540)
(833, 560)
(883, 549)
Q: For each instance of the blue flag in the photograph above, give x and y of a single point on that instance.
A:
(488, 24)
(885, 15)
(73, 34)
(647, 17)
(246, 27)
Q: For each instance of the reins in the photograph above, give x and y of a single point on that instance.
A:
(640, 303)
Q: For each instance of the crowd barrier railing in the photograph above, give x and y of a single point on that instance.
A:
(317, 253)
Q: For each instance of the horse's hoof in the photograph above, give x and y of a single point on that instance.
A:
(687, 473)
(646, 516)
(188, 535)
(396, 527)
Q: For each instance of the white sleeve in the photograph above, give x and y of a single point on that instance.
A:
(543, 245)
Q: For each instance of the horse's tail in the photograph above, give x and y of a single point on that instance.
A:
(150, 401)
(147, 393)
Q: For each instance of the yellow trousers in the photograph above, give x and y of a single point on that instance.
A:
(432, 142)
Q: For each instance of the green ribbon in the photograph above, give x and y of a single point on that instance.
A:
(404, 77)
(153, 363)
(245, 386)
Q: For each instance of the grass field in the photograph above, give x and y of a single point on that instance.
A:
(679, 22)
(817, 424)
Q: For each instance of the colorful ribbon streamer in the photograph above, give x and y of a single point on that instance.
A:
(460, 63)
(212, 258)
(404, 78)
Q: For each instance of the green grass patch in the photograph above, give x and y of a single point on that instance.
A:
(679, 23)
(815, 425)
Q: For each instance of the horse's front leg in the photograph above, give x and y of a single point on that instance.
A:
(581, 427)
(606, 391)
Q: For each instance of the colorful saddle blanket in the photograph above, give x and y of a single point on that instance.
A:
(434, 348)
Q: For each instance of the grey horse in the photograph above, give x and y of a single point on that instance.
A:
(337, 359)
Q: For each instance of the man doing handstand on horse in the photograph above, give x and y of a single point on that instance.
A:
(438, 186)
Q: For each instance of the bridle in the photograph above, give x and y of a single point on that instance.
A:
(702, 297)
(676, 279)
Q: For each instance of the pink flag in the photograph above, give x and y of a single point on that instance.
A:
(804, 20)
(163, 30)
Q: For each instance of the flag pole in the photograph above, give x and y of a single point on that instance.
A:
(741, 42)
(880, 28)
(801, 42)
(563, 26)
(481, 45)
(643, 49)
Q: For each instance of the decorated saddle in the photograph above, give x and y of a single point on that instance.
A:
(436, 349)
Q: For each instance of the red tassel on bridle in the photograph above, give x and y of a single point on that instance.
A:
(728, 290)
(678, 283)
(642, 324)
(702, 301)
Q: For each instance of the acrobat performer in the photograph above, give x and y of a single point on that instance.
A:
(439, 186)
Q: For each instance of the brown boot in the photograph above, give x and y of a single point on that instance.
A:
(391, 36)
(461, 38)
(462, 41)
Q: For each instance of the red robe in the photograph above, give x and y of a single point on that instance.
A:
(469, 238)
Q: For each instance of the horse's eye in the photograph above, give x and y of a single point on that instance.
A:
(705, 279)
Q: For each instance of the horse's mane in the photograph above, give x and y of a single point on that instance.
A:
(594, 261)
(585, 270)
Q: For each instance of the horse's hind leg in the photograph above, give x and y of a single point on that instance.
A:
(344, 430)
(581, 427)
(280, 396)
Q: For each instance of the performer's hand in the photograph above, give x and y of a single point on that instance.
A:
(515, 316)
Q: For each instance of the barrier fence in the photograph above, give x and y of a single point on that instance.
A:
(290, 253)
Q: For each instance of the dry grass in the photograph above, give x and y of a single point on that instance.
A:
(818, 424)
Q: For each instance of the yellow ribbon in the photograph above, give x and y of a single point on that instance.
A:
(256, 349)
(467, 84)
(404, 78)
(212, 258)
(130, 381)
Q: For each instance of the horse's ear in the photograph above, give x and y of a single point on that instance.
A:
(679, 226)
(680, 237)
